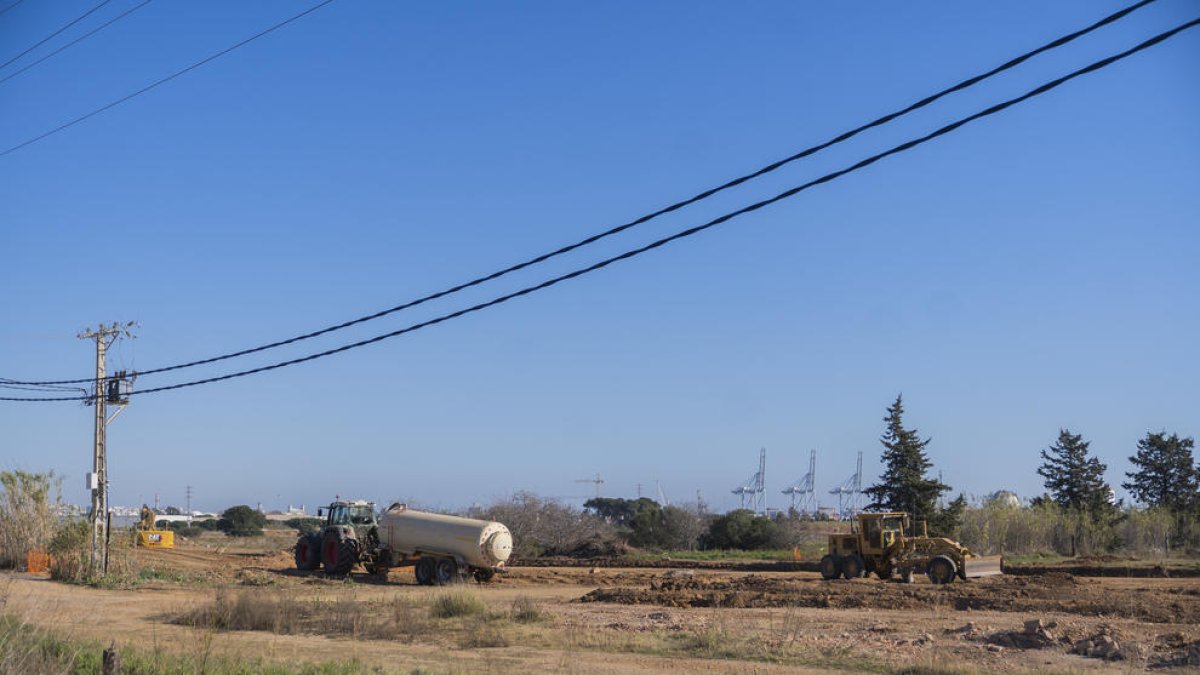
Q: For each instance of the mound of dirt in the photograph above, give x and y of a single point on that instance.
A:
(1038, 594)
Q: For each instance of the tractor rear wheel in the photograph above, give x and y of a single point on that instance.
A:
(340, 556)
(831, 567)
(445, 571)
(308, 553)
(941, 570)
(853, 566)
(424, 571)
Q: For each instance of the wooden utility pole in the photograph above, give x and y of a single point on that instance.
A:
(97, 481)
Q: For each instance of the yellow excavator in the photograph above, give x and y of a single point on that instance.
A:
(147, 535)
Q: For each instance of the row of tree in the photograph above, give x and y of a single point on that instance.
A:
(1165, 477)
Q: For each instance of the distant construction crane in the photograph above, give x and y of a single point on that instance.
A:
(806, 487)
(597, 481)
(662, 497)
(849, 493)
(754, 487)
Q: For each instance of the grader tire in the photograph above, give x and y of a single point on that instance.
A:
(853, 566)
(340, 556)
(424, 571)
(941, 570)
(831, 567)
(308, 553)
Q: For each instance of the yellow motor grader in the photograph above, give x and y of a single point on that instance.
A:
(878, 544)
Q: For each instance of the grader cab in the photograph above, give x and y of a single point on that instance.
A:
(879, 544)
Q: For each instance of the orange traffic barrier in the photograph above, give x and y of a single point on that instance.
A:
(37, 562)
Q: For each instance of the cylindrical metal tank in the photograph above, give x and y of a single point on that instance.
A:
(480, 543)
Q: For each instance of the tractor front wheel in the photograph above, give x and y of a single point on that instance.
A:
(483, 574)
(941, 570)
(853, 566)
(831, 567)
(308, 553)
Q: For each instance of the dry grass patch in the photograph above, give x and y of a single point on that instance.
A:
(526, 610)
(457, 603)
(278, 612)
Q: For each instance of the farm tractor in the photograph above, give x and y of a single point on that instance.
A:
(877, 544)
(442, 548)
(349, 536)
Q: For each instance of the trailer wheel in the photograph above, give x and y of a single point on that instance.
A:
(941, 570)
(831, 567)
(424, 571)
(308, 553)
(445, 571)
(853, 566)
(483, 574)
(340, 556)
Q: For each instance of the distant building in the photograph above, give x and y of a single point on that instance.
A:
(1004, 498)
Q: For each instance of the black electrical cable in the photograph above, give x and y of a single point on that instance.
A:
(646, 218)
(903, 147)
(53, 35)
(5, 10)
(166, 79)
(79, 39)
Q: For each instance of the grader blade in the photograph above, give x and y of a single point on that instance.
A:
(982, 566)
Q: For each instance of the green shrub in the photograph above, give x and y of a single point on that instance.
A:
(742, 529)
(71, 552)
(305, 525)
(242, 521)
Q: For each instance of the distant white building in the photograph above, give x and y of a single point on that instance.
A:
(1004, 498)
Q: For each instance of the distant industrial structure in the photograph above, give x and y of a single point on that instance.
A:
(805, 488)
(753, 489)
(849, 493)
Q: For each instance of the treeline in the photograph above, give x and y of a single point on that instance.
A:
(1078, 514)
(612, 526)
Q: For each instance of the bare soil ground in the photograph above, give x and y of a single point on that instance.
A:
(647, 619)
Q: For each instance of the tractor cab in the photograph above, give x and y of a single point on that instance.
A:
(351, 513)
(880, 531)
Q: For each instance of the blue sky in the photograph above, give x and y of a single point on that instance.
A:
(1033, 271)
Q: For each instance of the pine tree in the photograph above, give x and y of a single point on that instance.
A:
(1075, 480)
(1167, 475)
(949, 519)
(903, 485)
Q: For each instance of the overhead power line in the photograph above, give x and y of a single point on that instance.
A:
(5, 10)
(1011, 63)
(79, 39)
(168, 78)
(903, 147)
(55, 34)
